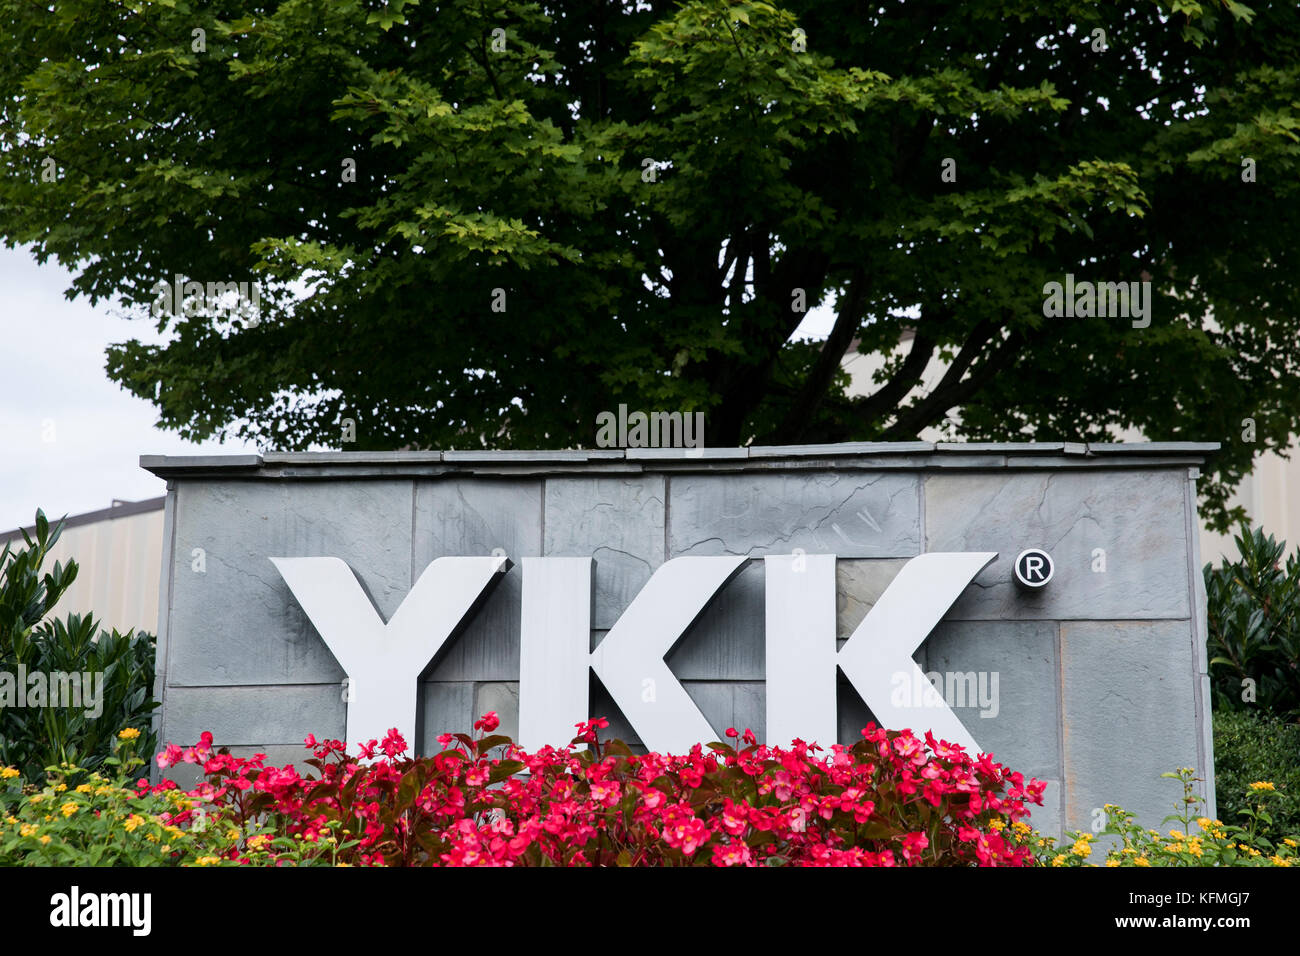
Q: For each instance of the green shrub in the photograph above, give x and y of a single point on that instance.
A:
(1253, 747)
(115, 671)
(1254, 627)
(94, 818)
(1194, 840)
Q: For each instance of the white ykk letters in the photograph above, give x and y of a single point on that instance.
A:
(384, 661)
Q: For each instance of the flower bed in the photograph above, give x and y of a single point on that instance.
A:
(892, 799)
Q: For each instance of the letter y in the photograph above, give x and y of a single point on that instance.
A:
(384, 661)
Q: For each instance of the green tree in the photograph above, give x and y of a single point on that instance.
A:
(480, 223)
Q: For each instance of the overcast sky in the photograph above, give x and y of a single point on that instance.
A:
(70, 439)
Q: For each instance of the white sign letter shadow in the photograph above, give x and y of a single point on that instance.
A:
(384, 661)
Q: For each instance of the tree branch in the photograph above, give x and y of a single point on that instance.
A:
(796, 421)
(952, 390)
(887, 397)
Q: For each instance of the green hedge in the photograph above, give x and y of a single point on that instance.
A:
(1257, 746)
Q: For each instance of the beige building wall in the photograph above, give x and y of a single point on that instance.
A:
(120, 563)
(1271, 496)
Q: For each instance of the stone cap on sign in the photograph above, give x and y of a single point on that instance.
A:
(873, 456)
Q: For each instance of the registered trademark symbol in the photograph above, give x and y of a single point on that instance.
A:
(1034, 568)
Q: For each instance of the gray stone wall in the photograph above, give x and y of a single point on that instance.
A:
(1102, 675)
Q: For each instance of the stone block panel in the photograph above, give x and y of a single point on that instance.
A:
(1137, 520)
(1128, 715)
(618, 521)
(474, 517)
(236, 622)
(850, 514)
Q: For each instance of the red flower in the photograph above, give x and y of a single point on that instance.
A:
(170, 756)
(607, 793)
(733, 854)
(913, 844)
(393, 744)
(488, 722)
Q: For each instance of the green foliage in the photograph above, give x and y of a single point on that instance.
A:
(1251, 747)
(82, 817)
(1193, 841)
(113, 672)
(796, 150)
(1253, 622)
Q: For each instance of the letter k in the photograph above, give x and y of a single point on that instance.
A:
(801, 655)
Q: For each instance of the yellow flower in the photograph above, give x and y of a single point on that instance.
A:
(1289, 842)
(1253, 852)
(1081, 848)
(232, 835)
(258, 842)
(8, 773)
(12, 821)
(1141, 861)
(45, 839)
(1195, 849)
(59, 788)
(207, 861)
(1059, 860)
(27, 829)
(1175, 835)
(36, 798)
(1129, 849)
(133, 821)
(129, 734)
(68, 809)
(85, 788)
(1021, 829)
(151, 837)
(1112, 862)
(996, 825)
(1279, 861)
(1203, 822)
(1262, 785)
